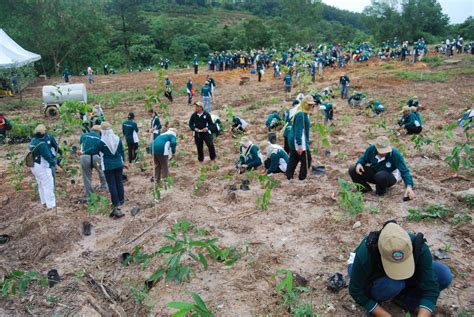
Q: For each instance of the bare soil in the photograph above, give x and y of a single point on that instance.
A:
(304, 229)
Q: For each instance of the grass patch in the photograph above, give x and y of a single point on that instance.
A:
(18, 105)
(388, 66)
(113, 98)
(433, 61)
(440, 76)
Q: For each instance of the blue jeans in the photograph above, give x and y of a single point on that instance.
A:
(206, 103)
(384, 288)
(344, 91)
(115, 185)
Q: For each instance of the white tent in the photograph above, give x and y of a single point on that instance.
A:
(12, 54)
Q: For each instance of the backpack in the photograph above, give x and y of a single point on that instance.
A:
(30, 158)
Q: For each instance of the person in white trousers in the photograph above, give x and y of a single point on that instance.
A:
(42, 168)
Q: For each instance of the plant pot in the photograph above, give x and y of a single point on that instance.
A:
(86, 228)
(4, 238)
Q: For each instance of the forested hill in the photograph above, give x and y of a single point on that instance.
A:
(123, 33)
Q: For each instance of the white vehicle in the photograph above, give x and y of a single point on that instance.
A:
(55, 96)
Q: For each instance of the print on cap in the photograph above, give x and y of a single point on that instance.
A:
(398, 256)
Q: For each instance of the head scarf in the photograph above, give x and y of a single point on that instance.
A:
(246, 142)
(170, 131)
(272, 148)
(109, 137)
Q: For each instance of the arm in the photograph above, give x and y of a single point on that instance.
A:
(136, 127)
(191, 123)
(120, 150)
(298, 127)
(46, 154)
(402, 167)
(427, 283)
(274, 162)
(361, 270)
(124, 130)
(255, 162)
(241, 157)
(173, 145)
(364, 159)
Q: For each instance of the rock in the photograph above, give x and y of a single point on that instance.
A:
(336, 282)
(5, 200)
(464, 194)
(299, 280)
(330, 309)
(231, 197)
(440, 254)
(357, 225)
(469, 241)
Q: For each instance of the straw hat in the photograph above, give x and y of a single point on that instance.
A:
(105, 126)
(40, 129)
(382, 144)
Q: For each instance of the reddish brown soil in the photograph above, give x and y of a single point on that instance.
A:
(304, 230)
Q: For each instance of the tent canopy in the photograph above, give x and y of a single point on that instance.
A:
(12, 54)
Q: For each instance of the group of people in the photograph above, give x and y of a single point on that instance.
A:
(388, 264)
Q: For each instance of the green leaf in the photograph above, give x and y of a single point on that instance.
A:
(181, 313)
(181, 305)
(199, 301)
(203, 261)
(156, 275)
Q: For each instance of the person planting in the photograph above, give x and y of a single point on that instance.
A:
(382, 165)
(394, 264)
(409, 121)
(162, 148)
(277, 159)
(90, 160)
(250, 156)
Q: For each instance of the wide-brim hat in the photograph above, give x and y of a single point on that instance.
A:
(40, 129)
(396, 251)
(105, 126)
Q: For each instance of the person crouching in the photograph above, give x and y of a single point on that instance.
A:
(162, 148)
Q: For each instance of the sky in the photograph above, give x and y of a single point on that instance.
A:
(457, 10)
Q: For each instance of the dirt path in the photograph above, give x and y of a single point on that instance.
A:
(304, 230)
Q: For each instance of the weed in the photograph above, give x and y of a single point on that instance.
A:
(432, 211)
(447, 247)
(469, 201)
(350, 198)
(275, 100)
(463, 217)
(290, 295)
(196, 309)
(440, 76)
(16, 167)
(461, 155)
(138, 294)
(269, 183)
(420, 140)
(97, 205)
(201, 179)
(388, 66)
(346, 119)
(19, 280)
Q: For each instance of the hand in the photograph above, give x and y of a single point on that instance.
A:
(380, 312)
(409, 193)
(359, 169)
(204, 130)
(126, 167)
(299, 150)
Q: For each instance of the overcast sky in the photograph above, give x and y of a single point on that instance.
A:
(457, 10)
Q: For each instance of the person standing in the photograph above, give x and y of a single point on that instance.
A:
(112, 154)
(344, 82)
(382, 165)
(162, 148)
(206, 93)
(53, 148)
(190, 90)
(298, 140)
(5, 125)
(66, 75)
(212, 84)
(200, 123)
(42, 168)
(155, 124)
(130, 131)
(90, 160)
(168, 89)
(260, 70)
(287, 80)
(90, 74)
(196, 64)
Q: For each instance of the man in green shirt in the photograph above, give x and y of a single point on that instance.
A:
(382, 165)
(393, 264)
(130, 132)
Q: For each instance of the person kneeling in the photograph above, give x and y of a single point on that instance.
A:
(250, 156)
(393, 264)
(409, 121)
(383, 166)
(277, 159)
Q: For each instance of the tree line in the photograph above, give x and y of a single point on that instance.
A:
(128, 33)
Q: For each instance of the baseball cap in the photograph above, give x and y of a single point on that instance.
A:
(382, 144)
(396, 252)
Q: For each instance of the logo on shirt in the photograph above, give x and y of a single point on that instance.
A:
(398, 256)
(388, 164)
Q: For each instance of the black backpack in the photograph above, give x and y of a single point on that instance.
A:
(30, 157)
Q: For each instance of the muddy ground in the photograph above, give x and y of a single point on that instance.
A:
(304, 229)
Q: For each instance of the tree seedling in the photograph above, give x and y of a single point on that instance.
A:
(196, 309)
